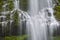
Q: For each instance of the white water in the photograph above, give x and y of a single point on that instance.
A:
(16, 4)
(40, 25)
(41, 22)
(3, 17)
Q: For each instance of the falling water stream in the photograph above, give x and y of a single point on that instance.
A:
(40, 21)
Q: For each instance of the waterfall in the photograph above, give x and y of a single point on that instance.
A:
(3, 21)
(40, 20)
(41, 23)
(16, 4)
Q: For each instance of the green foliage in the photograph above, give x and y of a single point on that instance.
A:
(11, 38)
(59, 0)
(16, 37)
(57, 38)
(22, 37)
(57, 13)
(57, 16)
(57, 8)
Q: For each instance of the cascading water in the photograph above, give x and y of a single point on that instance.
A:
(41, 22)
(16, 4)
(21, 14)
(3, 19)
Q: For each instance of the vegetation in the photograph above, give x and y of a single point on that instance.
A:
(57, 38)
(57, 12)
(16, 37)
(10, 5)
